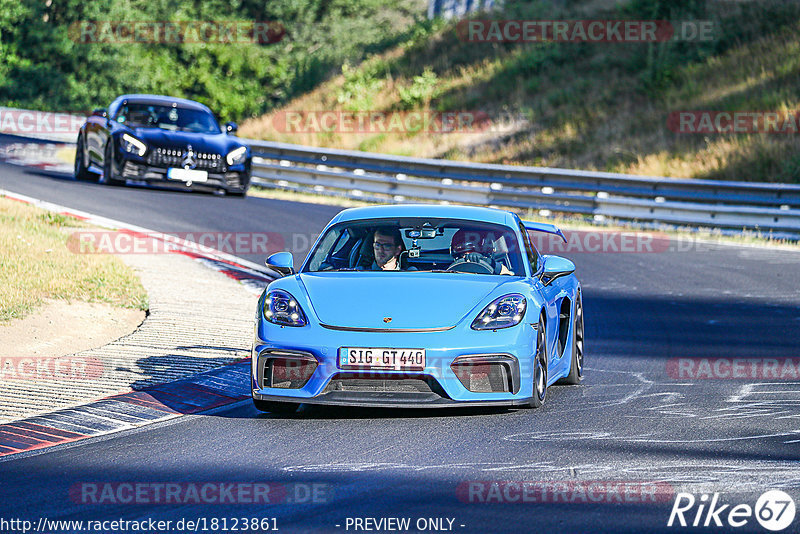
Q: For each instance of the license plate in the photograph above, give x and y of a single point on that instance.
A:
(381, 358)
(187, 175)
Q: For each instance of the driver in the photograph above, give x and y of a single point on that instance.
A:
(387, 245)
(473, 246)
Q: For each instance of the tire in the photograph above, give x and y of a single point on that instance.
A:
(539, 393)
(81, 171)
(575, 375)
(108, 177)
(276, 407)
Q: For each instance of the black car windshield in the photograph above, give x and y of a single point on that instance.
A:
(418, 244)
(143, 115)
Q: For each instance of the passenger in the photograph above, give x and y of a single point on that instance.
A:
(473, 246)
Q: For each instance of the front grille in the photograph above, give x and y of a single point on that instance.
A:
(170, 157)
(378, 385)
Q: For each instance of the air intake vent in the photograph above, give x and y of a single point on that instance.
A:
(286, 371)
(483, 377)
(370, 385)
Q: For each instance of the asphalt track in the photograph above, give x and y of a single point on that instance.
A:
(631, 420)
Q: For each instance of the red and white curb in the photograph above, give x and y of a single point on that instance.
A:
(213, 389)
(154, 402)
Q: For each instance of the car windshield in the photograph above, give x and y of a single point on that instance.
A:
(170, 118)
(418, 244)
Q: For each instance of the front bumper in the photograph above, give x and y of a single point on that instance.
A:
(436, 386)
(235, 180)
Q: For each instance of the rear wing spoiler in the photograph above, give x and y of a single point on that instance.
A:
(544, 227)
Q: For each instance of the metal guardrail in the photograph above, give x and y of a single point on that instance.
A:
(761, 207)
(765, 207)
(458, 8)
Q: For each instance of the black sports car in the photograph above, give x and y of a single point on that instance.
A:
(164, 140)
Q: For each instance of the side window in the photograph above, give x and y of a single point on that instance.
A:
(324, 246)
(343, 239)
(120, 114)
(530, 250)
(112, 110)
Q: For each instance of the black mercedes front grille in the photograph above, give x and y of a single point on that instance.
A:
(169, 157)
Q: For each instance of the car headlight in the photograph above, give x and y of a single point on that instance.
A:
(282, 308)
(503, 312)
(133, 145)
(236, 156)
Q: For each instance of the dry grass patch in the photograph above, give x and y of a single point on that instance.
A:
(35, 264)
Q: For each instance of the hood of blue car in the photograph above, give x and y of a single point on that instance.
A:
(412, 300)
(210, 143)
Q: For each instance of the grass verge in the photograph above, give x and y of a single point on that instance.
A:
(35, 264)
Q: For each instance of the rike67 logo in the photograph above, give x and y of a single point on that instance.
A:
(774, 510)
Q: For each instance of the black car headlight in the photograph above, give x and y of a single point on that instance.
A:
(503, 312)
(132, 145)
(282, 308)
(236, 156)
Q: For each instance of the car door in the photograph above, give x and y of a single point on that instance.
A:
(551, 295)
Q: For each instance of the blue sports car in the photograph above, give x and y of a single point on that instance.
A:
(418, 306)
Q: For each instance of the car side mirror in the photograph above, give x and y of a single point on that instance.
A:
(555, 267)
(231, 127)
(100, 112)
(282, 263)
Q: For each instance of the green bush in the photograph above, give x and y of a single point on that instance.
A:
(421, 91)
(44, 67)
